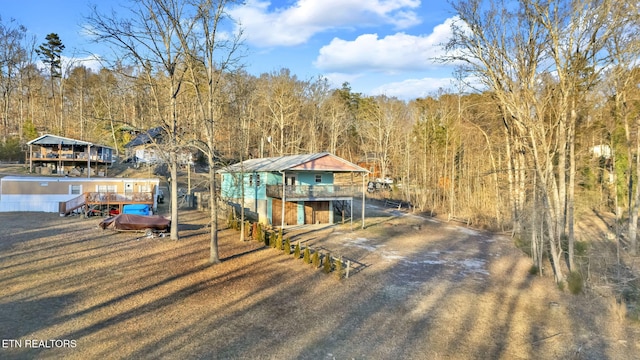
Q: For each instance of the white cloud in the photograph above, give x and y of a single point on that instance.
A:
(92, 62)
(296, 24)
(393, 53)
(337, 79)
(413, 88)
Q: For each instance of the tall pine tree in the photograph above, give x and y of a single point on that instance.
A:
(50, 52)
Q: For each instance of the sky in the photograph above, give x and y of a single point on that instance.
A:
(384, 47)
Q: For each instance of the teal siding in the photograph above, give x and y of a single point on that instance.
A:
(231, 187)
(300, 212)
(309, 178)
(273, 178)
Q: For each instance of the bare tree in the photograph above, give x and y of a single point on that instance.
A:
(148, 38)
(281, 95)
(215, 55)
(503, 47)
(623, 77)
(577, 33)
(12, 54)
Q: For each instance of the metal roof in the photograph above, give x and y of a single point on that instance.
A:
(323, 161)
(18, 178)
(48, 139)
(146, 137)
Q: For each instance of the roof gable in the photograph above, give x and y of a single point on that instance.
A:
(146, 137)
(327, 162)
(49, 139)
(309, 162)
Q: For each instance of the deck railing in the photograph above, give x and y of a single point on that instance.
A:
(77, 202)
(292, 192)
(115, 198)
(75, 156)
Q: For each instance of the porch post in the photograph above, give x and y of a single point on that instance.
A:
(88, 160)
(351, 212)
(30, 158)
(364, 193)
(284, 183)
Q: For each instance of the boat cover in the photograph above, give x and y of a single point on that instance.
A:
(136, 222)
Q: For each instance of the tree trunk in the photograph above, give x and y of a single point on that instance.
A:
(214, 257)
(571, 188)
(633, 218)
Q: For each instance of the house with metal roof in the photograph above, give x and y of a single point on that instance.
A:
(292, 190)
(53, 154)
(150, 147)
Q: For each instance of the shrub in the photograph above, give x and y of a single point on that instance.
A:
(523, 244)
(247, 230)
(307, 255)
(574, 282)
(11, 150)
(287, 247)
(534, 270)
(580, 248)
(259, 235)
(315, 259)
(339, 271)
(254, 230)
(296, 251)
(327, 264)
(267, 239)
(231, 220)
(279, 244)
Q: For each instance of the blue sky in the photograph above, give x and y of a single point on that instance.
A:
(378, 46)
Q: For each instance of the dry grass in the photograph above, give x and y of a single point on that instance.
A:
(419, 289)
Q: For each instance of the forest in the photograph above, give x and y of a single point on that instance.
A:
(539, 129)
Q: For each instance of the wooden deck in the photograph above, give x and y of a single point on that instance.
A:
(104, 203)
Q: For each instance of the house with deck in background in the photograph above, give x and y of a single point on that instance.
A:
(68, 194)
(295, 189)
(58, 155)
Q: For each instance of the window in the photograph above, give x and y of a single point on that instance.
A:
(251, 179)
(106, 188)
(75, 189)
(318, 178)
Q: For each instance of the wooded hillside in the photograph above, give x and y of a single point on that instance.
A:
(540, 128)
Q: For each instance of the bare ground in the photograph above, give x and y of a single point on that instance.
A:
(419, 288)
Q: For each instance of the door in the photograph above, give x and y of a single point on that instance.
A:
(316, 212)
(128, 187)
(290, 180)
(290, 213)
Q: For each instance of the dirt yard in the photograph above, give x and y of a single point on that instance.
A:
(418, 288)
